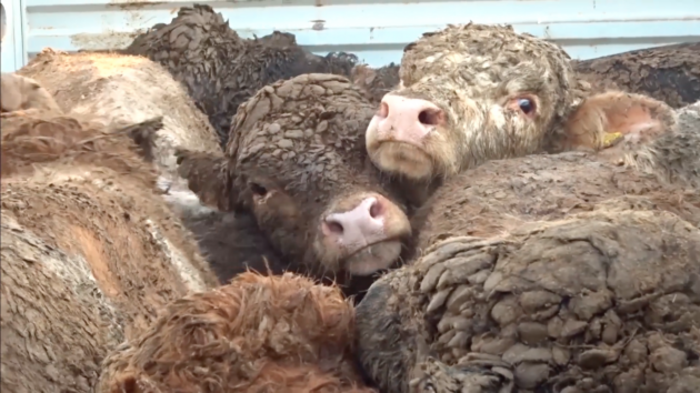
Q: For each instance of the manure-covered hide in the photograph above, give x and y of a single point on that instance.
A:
(296, 158)
(118, 87)
(499, 196)
(258, 334)
(89, 251)
(219, 69)
(673, 157)
(669, 73)
(604, 301)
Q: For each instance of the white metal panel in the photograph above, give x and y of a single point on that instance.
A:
(13, 53)
(376, 30)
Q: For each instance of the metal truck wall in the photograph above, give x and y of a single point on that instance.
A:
(376, 30)
(12, 55)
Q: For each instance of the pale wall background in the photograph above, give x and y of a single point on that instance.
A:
(376, 30)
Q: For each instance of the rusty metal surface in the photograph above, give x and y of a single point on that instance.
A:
(375, 30)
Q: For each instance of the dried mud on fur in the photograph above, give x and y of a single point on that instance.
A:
(501, 195)
(669, 73)
(219, 69)
(605, 301)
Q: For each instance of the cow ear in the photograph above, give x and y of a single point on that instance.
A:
(619, 120)
(209, 176)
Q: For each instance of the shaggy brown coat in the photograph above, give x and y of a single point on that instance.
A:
(256, 335)
(89, 250)
(125, 88)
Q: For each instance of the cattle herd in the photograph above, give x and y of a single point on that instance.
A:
(201, 213)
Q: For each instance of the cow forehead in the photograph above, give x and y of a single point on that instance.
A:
(482, 52)
(326, 156)
(485, 40)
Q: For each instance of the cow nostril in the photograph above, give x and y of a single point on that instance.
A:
(383, 110)
(334, 227)
(430, 117)
(376, 209)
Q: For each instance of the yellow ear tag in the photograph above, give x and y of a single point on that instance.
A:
(611, 139)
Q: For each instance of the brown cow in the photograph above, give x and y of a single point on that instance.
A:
(559, 273)
(297, 163)
(90, 251)
(258, 334)
(475, 93)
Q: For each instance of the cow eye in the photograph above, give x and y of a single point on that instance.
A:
(526, 105)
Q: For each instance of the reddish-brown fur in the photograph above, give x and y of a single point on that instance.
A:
(90, 252)
(256, 335)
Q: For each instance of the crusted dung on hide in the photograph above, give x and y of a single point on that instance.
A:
(297, 157)
(123, 88)
(257, 334)
(604, 301)
(673, 156)
(464, 84)
(219, 69)
(669, 73)
(499, 196)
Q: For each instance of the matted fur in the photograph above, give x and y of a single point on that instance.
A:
(256, 335)
(219, 69)
(476, 79)
(296, 155)
(90, 252)
(602, 301)
(538, 272)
